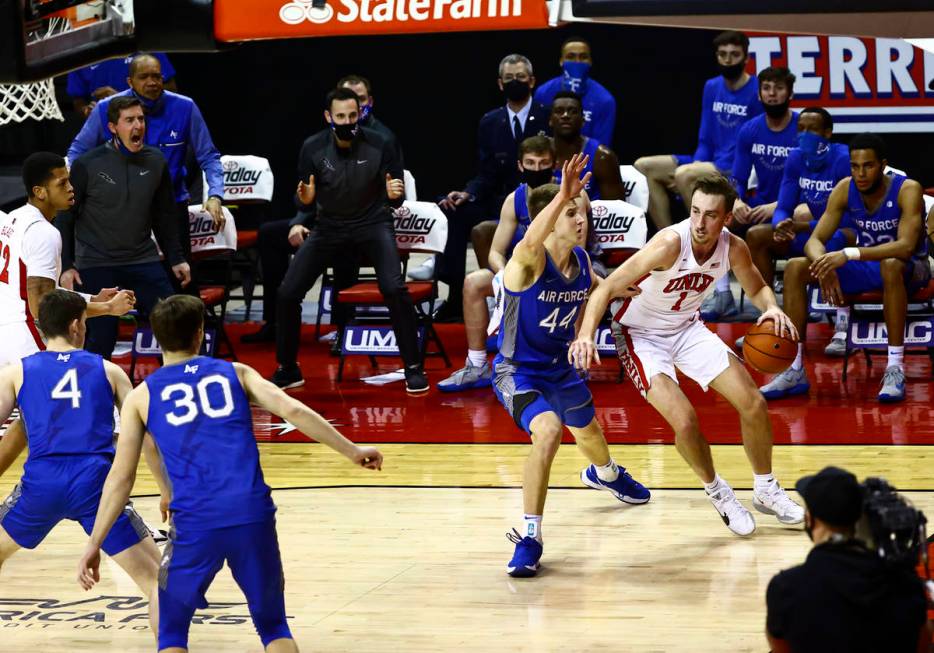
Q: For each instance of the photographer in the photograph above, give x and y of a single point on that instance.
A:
(844, 597)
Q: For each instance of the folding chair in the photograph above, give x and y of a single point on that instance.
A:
(419, 227)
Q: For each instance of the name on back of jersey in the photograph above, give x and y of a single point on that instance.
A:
(562, 296)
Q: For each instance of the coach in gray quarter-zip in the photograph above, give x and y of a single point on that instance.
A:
(123, 194)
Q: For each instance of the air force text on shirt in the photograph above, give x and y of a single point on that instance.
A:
(815, 185)
(726, 112)
(563, 296)
(765, 149)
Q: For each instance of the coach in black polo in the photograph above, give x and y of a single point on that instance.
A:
(353, 177)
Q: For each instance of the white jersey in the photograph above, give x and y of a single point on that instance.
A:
(671, 298)
(29, 247)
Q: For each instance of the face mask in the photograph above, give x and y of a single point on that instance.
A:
(121, 147)
(809, 531)
(516, 91)
(536, 178)
(776, 110)
(815, 149)
(733, 72)
(344, 132)
(149, 105)
(364, 113)
(575, 75)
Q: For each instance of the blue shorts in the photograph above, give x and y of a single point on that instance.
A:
(866, 276)
(835, 244)
(193, 558)
(527, 393)
(54, 489)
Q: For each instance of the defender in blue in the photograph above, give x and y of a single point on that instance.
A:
(198, 412)
(546, 283)
(66, 396)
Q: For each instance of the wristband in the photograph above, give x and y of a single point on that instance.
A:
(851, 253)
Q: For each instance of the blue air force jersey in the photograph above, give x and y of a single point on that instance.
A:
(199, 417)
(757, 146)
(881, 226)
(811, 187)
(538, 322)
(67, 405)
(520, 204)
(723, 112)
(590, 149)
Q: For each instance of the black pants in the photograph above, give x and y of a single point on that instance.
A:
(326, 245)
(147, 280)
(274, 247)
(453, 264)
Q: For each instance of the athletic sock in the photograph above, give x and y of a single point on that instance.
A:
(607, 473)
(477, 357)
(714, 485)
(723, 284)
(896, 356)
(842, 322)
(799, 359)
(761, 482)
(532, 527)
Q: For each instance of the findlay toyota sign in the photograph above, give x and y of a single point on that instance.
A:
(105, 613)
(235, 20)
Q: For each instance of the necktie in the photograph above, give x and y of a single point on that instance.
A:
(517, 128)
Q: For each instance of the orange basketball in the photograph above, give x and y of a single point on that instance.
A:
(766, 351)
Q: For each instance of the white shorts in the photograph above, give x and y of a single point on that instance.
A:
(695, 350)
(18, 340)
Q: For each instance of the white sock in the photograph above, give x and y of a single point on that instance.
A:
(761, 482)
(723, 283)
(477, 357)
(532, 527)
(799, 359)
(714, 485)
(608, 472)
(896, 356)
(842, 322)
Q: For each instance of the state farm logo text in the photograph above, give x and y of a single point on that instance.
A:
(381, 11)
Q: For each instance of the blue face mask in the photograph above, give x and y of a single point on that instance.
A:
(815, 149)
(150, 106)
(575, 75)
(121, 147)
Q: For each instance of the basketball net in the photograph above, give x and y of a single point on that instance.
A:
(36, 100)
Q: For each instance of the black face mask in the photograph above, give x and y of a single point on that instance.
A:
(733, 72)
(808, 530)
(536, 178)
(345, 132)
(517, 91)
(776, 110)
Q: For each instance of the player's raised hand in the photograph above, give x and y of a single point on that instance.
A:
(89, 567)
(368, 457)
(571, 181)
(582, 353)
(395, 188)
(783, 324)
(306, 192)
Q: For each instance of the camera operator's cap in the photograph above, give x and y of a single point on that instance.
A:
(833, 495)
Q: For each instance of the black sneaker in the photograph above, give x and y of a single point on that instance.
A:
(266, 333)
(416, 382)
(287, 377)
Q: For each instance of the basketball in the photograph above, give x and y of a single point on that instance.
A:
(766, 351)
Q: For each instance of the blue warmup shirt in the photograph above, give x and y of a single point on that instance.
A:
(538, 322)
(812, 187)
(590, 149)
(67, 405)
(113, 73)
(200, 420)
(881, 226)
(723, 112)
(173, 122)
(766, 150)
(599, 106)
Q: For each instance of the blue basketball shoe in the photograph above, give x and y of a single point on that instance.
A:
(524, 563)
(625, 487)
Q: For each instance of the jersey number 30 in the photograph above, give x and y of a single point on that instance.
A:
(186, 410)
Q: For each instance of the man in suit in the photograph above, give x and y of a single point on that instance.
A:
(498, 137)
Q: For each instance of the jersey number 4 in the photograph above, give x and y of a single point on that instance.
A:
(183, 394)
(551, 322)
(67, 388)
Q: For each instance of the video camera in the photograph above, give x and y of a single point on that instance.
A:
(891, 526)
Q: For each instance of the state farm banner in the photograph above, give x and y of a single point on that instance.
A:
(247, 20)
(867, 84)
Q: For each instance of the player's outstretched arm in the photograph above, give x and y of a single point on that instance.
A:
(658, 254)
(757, 290)
(266, 395)
(505, 230)
(118, 485)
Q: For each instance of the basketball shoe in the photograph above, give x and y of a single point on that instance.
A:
(625, 487)
(774, 501)
(524, 563)
(893, 385)
(789, 383)
(731, 511)
(468, 377)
